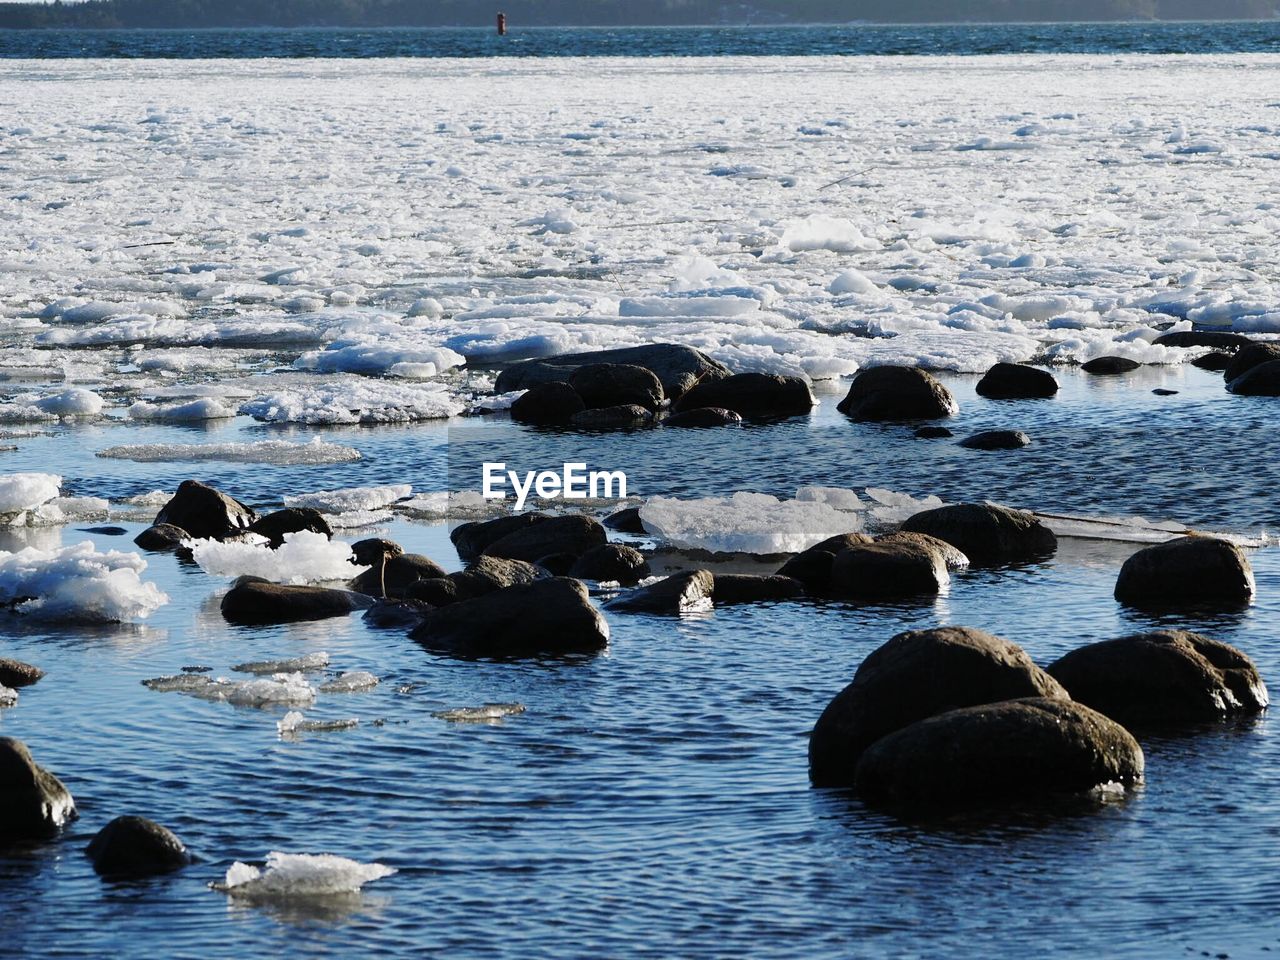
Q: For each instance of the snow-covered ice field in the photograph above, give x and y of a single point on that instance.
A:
(327, 241)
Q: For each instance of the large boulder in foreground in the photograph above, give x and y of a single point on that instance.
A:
(986, 532)
(1167, 676)
(1250, 356)
(547, 404)
(573, 534)
(915, 675)
(888, 570)
(252, 600)
(551, 616)
(617, 384)
(751, 395)
(136, 847)
(1188, 571)
(205, 512)
(1034, 748)
(897, 393)
(1262, 380)
(676, 594)
(33, 802)
(677, 368)
(1017, 381)
(275, 525)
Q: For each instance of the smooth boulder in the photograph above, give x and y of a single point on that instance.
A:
(953, 558)
(15, 673)
(396, 614)
(1248, 357)
(1215, 362)
(573, 534)
(751, 395)
(729, 588)
(1190, 570)
(1015, 750)
(1109, 366)
(626, 520)
(252, 600)
(915, 675)
(703, 417)
(1216, 339)
(551, 616)
(812, 566)
(162, 536)
(996, 440)
(547, 404)
(616, 385)
(676, 594)
(136, 847)
(677, 367)
(1262, 380)
(391, 576)
(275, 525)
(1017, 381)
(1166, 676)
(205, 512)
(611, 562)
(470, 539)
(986, 532)
(888, 570)
(483, 575)
(897, 393)
(34, 803)
(622, 417)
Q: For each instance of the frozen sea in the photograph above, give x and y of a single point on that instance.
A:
(286, 276)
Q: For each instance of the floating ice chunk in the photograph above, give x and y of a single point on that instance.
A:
(723, 306)
(353, 681)
(428, 307)
(24, 491)
(61, 510)
(180, 683)
(351, 498)
(77, 583)
(485, 713)
(295, 723)
(558, 221)
(205, 408)
(8, 697)
(309, 661)
(281, 688)
(349, 402)
(440, 505)
(305, 557)
(835, 497)
(745, 523)
(890, 507)
(380, 358)
(821, 232)
(851, 281)
(290, 875)
(76, 402)
(275, 452)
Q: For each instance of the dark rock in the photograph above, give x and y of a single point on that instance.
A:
(105, 531)
(812, 567)
(1110, 365)
(704, 417)
(1034, 748)
(545, 617)
(617, 385)
(1187, 571)
(897, 393)
(752, 588)
(557, 564)
(573, 534)
(1249, 357)
(136, 847)
(204, 512)
(1168, 676)
(1162, 392)
(368, 553)
(611, 561)
(33, 802)
(483, 575)
(625, 521)
(679, 593)
(953, 559)
(275, 525)
(933, 433)
(163, 536)
(677, 368)
(915, 675)
(1017, 381)
(392, 576)
(470, 539)
(15, 673)
(751, 395)
(986, 532)
(436, 593)
(1217, 339)
(611, 418)
(1212, 361)
(252, 600)
(547, 404)
(876, 571)
(398, 614)
(996, 440)
(1262, 380)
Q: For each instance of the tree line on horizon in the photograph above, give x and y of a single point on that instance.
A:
(195, 14)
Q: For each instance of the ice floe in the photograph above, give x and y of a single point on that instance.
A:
(351, 499)
(295, 723)
(352, 681)
(77, 583)
(309, 661)
(277, 452)
(304, 557)
(291, 875)
(745, 523)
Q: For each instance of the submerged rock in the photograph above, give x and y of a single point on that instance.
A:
(611, 561)
(547, 404)
(996, 440)
(677, 367)
(704, 417)
(751, 395)
(545, 617)
(986, 532)
(136, 847)
(15, 673)
(1110, 365)
(162, 536)
(602, 385)
(1217, 339)
(34, 804)
(205, 512)
(275, 525)
(1186, 571)
(1248, 357)
(611, 418)
(573, 534)
(1162, 676)
(1262, 380)
(252, 600)
(897, 393)
(1212, 361)
(753, 588)
(933, 433)
(1032, 748)
(1017, 381)
(399, 614)
(676, 594)
(888, 569)
(915, 675)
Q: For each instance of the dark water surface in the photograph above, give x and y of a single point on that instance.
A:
(836, 40)
(653, 800)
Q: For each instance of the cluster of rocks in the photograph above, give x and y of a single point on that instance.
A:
(198, 511)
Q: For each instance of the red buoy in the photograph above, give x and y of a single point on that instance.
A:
(502, 24)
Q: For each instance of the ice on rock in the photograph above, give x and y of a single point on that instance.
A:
(304, 557)
(275, 452)
(351, 498)
(352, 681)
(25, 491)
(205, 408)
(291, 875)
(745, 523)
(8, 697)
(295, 723)
(77, 583)
(309, 661)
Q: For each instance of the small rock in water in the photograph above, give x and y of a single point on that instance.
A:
(547, 404)
(572, 534)
(986, 532)
(486, 713)
(369, 553)
(680, 593)
(603, 385)
(397, 613)
(1110, 365)
(610, 561)
(1015, 381)
(181, 682)
(105, 531)
(15, 673)
(897, 393)
(1213, 361)
(626, 520)
(295, 723)
(352, 681)
(1248, 357)
(33, 802)
(1187, 571)
(275, 525)
(162, 536)
(933, 433)
(1162, 392)
(996, 440)
(310, 661)
(1262, 380)
(753, 588)
(255, 601)
(204, 512)
(751, 395)
(136, 847)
